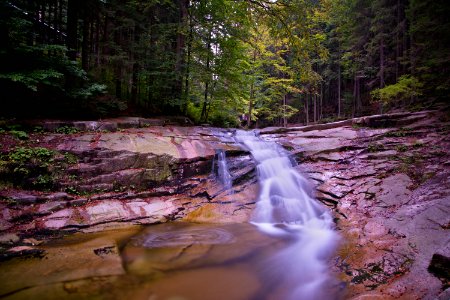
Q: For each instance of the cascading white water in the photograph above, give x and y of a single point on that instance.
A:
(286, 208)
(223, 172)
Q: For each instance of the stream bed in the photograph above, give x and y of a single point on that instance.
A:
(171, 261)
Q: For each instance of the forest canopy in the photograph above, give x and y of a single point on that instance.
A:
(222, 62)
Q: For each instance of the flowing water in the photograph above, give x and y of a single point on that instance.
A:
(286, 209)
(223, 173)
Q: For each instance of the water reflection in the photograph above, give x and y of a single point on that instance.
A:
(237, 259)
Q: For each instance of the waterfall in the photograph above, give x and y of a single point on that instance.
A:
(286, 208)
(223, 173)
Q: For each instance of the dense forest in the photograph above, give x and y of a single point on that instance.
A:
(249, 62)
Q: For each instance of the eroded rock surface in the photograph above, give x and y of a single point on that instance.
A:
(390, 190)
(138, 175)
(385, 177)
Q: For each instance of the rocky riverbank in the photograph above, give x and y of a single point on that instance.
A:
(386, 178)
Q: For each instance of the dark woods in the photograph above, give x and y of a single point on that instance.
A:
(222, 62)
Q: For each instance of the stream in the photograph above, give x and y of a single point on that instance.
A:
(283, 253)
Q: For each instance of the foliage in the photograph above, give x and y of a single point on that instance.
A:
(67, 130)
(215, 60)
(375, 147)
(21, 135)
(406, 88)
(34, 168)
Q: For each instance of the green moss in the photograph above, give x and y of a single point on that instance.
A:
(375, 147)
(401, 148)
(70, 158)
(34, 168)
(21, 135)
(67, 130)
(402, 132)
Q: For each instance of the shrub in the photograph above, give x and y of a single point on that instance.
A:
(35, 168)
(407, 87)
(21, 135)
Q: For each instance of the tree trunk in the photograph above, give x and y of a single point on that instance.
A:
(180, 48)
(85, 43)
(118, 66)
(136, 67)
(321, 102)
(284, 111)
(354, 97)
(339, 90)
(188, 65)
(307, 108)
(97, 42)
(205, 100)
(397, 43)
(72, 28)
(382, 63)
(315, 107)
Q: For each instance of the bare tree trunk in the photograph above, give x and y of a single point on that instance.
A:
(339, 90)
(72, 28)
(321, 102)
(314, 97)
(284, 112)
(118, 66)
(307, 108)
(382, 63)
(397, 42)
(85, 43)
(252, 95)
(354, 97)
(250, 105)
(97, 42)
(203, 116)
(188, 66)
(180, 48)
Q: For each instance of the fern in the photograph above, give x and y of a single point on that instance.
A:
(31, 79)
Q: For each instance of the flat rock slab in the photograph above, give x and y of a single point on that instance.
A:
(72, 259)
(180, 143)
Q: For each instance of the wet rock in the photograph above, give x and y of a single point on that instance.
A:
(24, 199)
(395, 190)
(393, 214)
(32, 241)
(104, 251)
(23, 252)
(77, 262)
(9, 238)
(78, 202)
(440, 267)
(58, 196)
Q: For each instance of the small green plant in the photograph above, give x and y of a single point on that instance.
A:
(21, 135)
(72, 190)
(375, 147)
(29, 167)
(66, 130)
(43, 182)
(73, 177)
(38, 129)
(401, 148)
(23, 154)
(417, 145)
(402, 132)
(70, 158)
